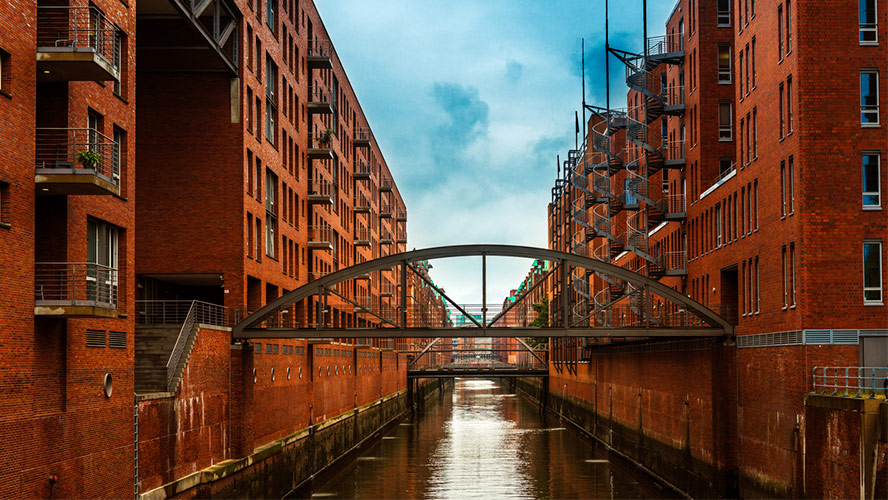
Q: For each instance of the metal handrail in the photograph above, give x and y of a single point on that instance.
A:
(851, 381)
(186, 333)
(362, 134)
(385, 208)
(385, 236)
(166, 312)
(321, 187)
(318, 94)
(362, 233)
(673, 203)
(362, 167)
(673, 95)
(361, 201)
(77, 150)
(385, 182)
(63, 28)
(75, 284)
(664, 44)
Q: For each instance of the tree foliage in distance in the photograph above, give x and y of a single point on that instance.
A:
(541, 321)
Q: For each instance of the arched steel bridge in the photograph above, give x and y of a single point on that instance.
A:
(694, 320)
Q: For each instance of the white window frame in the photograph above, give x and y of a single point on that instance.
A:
(726, 74)
(726, 133)
(869, 28)
(723, 17)
(869, 109)
(878, 192)
(871, 288)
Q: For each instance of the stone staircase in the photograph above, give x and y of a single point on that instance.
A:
(154, 343)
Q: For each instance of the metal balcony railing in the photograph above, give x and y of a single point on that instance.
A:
(674, 150)
(321, 190)
(674, 261)
(401, 236)
(76, 29)
(175, 312)
(318, 94)
(401, 215)
(75, 284)
(673, 204)
(387, 289)
(362, 235)
(851, 381)
(77, 150)
(362, 169)
(385, 183)
(664, 44)
(319, 47)
(385, 210)
(322, 234)
(673, 96)
(385, 236)
(362, 202)
(362, 136)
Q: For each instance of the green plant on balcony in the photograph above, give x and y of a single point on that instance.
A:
(325, 137)
(88, 158)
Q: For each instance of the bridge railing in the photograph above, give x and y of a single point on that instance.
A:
(851, 381)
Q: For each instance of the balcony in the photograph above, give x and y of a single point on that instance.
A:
(362, 236)
(387, 289)
(320, 237)
(75, 289)
(402, 236)
(674, 153)
(319, 145)
(78, 161)
(362, 170)
(321, 191)
(320, 100)
(401, 215)
(665, 48)
(385, 184)
(320, 54)
(385, 211)
(365, 301)
(76, 44)
(674, 207)
(362, 203)
(385, 237)
(362, 137)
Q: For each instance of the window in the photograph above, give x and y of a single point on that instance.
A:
(743, 160)
(785, 279)
(869, 27)
(740, 72)
(869, 97)
(271, 15)
(101, 257)
(789, 105)
(118, 153)
(5, 73)
(270, 100)
(755, 133)
(871, 187)
(249, 47)
(872, 272)
(758, 288)
(752, 57)
(724, 63)
(723, 14)
(725, 128)
(783, 189)
(118, 56)
(747, 70)
(718, 226)
(250, 236)
(5, 205)
(725, 166)
(748, 139)
(790, 179)
(780, 31)
(782, 112)
(788, 27)
(270, 214)
(755, 202)
(249, 110)
(792, 275)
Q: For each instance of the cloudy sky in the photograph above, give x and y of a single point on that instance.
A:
(470, 102)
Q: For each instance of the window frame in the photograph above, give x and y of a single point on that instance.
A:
(872, 28)
(726, 132)
(869, 108)
(723, 17)
(727, 69)
(878, 192)
(877, 288)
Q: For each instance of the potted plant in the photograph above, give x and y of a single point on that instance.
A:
(88, 158)
(325, 138)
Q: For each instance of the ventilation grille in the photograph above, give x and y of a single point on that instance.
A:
(95, 338)
(807, 337)
(117, 340)
(257, 348)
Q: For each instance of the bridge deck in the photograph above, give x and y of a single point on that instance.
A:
(481, 372)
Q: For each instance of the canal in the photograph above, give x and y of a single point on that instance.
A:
(481, 440)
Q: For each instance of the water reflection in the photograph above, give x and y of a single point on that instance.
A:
(480, 441)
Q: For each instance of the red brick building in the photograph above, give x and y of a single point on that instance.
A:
(257, 172)
(745, 172)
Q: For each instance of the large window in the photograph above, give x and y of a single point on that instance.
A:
(871, 187)
(872, 271)
(869, 27)
(725, 128)
(869, 97)
(724, 63)
(723, 16)
(270, 214)
(270, 100)
(101, 257)
(780, 31)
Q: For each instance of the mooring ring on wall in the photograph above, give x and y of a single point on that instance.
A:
(288, 373)
(272, 374)
(108, 385)
(254, 376)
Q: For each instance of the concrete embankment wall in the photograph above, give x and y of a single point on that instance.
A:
(261, 419)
